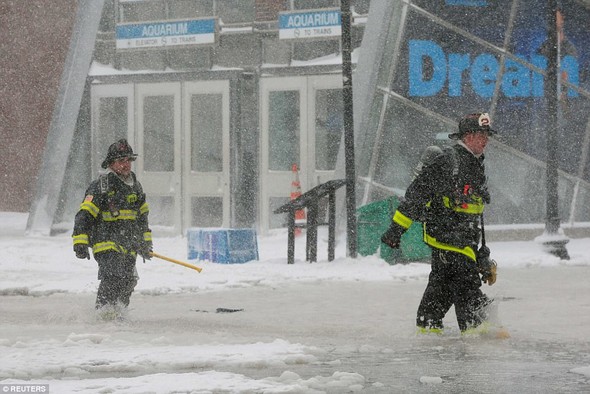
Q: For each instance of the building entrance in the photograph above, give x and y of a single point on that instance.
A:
(301, 124)
(181, 132)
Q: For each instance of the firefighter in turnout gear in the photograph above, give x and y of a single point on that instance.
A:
(113, 221)
(448, 196)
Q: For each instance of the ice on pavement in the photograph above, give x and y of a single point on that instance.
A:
(49, 333)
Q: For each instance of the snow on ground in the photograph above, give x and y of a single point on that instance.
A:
(49, 333)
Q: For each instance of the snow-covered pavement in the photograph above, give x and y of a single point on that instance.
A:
(341, 326)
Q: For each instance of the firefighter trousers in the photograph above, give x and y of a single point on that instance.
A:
(118, 278)
(454, 280)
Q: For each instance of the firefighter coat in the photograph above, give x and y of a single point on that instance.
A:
(448, 197)
(113, 217)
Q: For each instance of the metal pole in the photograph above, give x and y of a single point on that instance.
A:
(553, 240)
(349, 159)
(552, 219)
(581, 166)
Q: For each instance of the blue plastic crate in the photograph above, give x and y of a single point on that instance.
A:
(225, 246)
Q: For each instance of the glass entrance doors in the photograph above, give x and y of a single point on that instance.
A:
(206, 191)
(181, 133)
(301, 125)
(112, 119)
(158, 165)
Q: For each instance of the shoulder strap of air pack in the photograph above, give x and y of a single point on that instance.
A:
(104, 183)
(452, 154)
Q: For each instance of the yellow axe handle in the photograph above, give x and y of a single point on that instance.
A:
(194, 267)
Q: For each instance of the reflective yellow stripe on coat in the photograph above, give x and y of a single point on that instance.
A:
(474, 208)
(147, 236)
(124, 214)
(80, 239)
(90, 207)
(402, 220)
(467, 250)
(110, 245)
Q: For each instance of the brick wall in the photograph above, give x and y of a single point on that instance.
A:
(35, 39)
(267, 10)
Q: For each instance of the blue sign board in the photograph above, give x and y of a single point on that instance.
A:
(170, 33)
(310, 24)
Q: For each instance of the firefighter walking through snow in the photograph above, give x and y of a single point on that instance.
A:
(113, 220)
(448, 196)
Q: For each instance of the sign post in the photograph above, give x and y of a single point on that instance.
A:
(552, 239)
(349, 159)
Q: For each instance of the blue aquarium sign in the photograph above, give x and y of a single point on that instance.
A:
(171, 33)
(431, 70)
(310, 24)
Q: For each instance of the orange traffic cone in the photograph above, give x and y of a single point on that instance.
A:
(296, 192)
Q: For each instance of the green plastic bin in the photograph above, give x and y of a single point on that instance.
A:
(374, 219)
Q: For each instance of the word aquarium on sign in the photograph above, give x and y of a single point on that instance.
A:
(324, 23)
(170, 33)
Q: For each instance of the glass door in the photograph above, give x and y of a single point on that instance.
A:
(159, 147)
(283, 104)
(301, 124)
(112, 119)
(206, 192)
(325, 127)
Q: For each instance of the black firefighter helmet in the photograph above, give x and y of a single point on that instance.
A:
(473, 123)
(118, 150)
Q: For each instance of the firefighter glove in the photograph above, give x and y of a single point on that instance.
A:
(486, 266)
(489, 272)
(81, 251)
(392, 237)
(483, 253)
(145, 250)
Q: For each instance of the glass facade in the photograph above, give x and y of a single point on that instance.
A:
(442, 60)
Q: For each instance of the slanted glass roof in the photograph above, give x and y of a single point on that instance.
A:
(433, 62)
